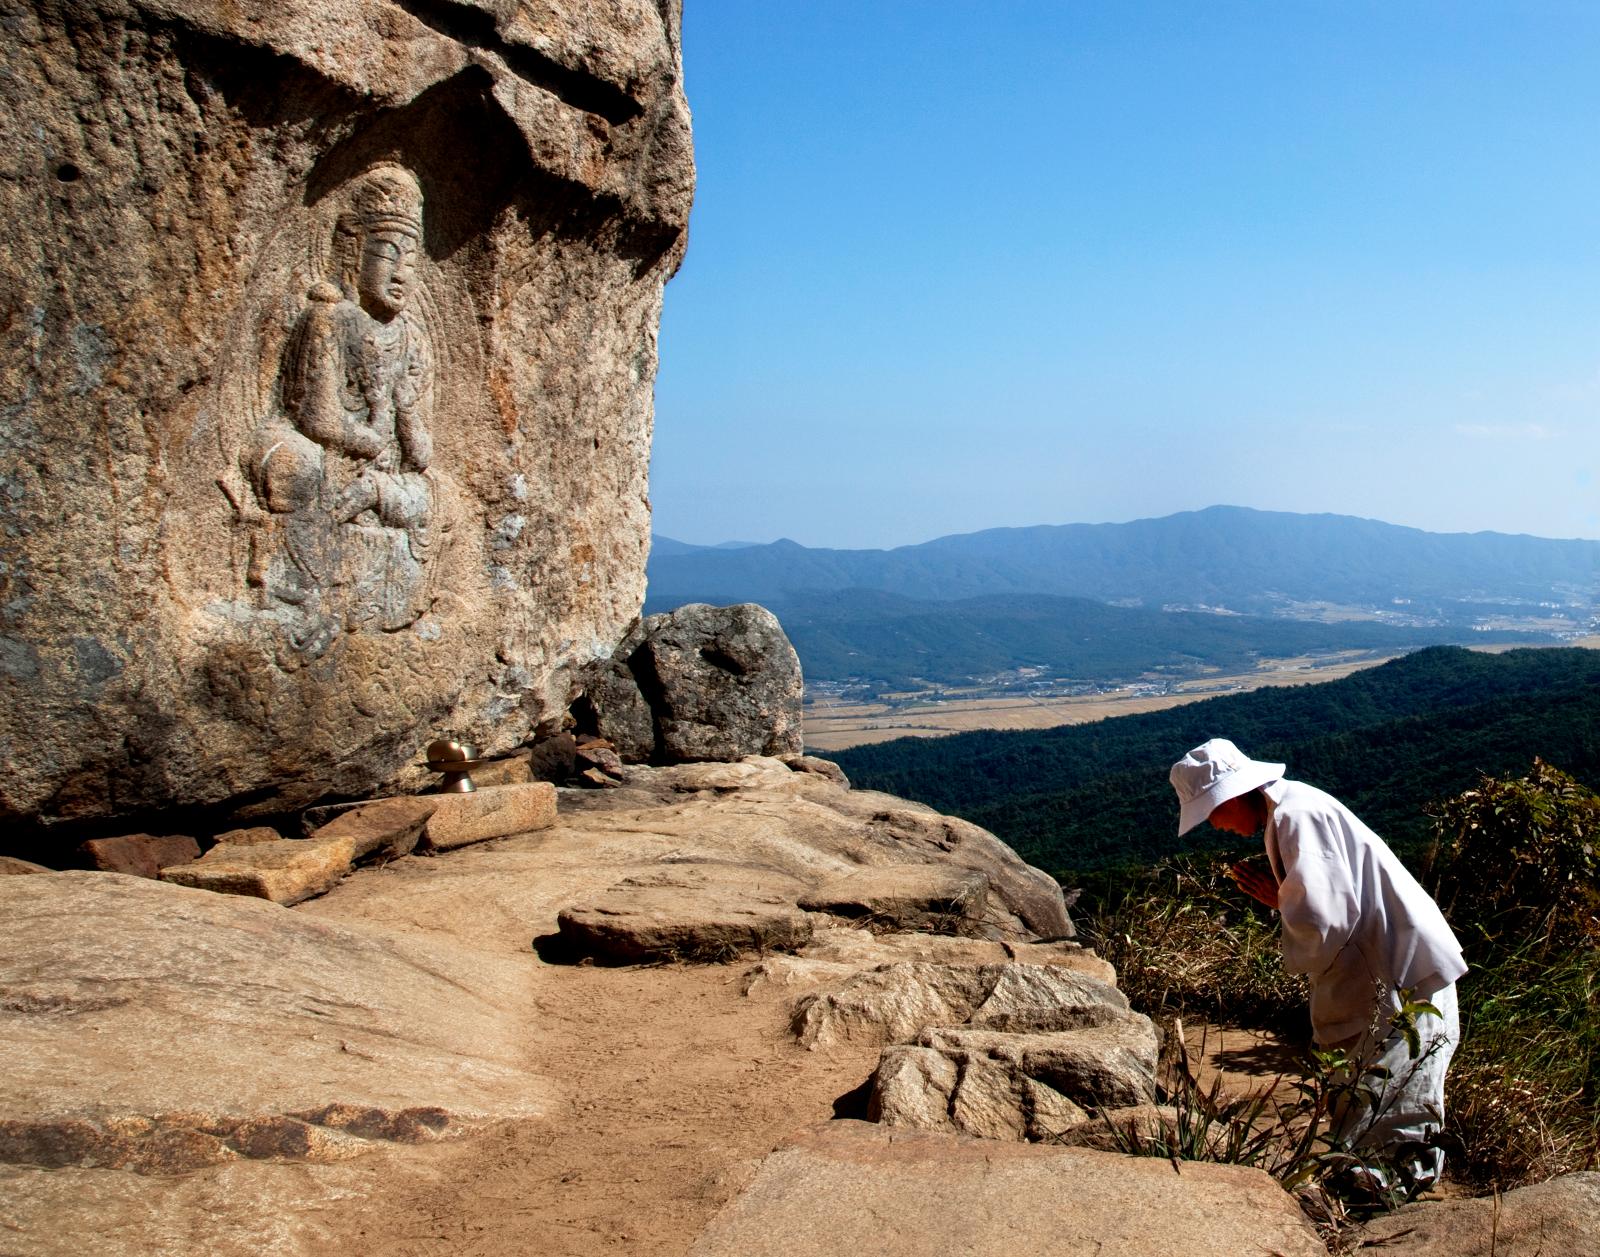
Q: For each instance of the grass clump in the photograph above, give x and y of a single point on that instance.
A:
(1186, 942)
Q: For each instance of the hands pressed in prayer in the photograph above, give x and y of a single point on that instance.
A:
(1256, 881)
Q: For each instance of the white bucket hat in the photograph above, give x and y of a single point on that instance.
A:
(1213, 773)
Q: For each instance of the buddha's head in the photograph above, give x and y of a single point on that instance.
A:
(379, 236)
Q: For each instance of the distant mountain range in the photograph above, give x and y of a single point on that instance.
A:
(1224, 557)
(1171, 597)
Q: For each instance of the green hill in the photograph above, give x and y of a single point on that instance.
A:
(1388, 741)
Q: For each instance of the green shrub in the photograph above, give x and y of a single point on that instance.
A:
(1517, 860)
(1519, 877)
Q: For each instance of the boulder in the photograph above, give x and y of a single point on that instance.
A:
(11, 866)
(850, 1187)
(298, 1039)
(814, 764)
(725, 681)
(688, 911)
(698, 683)
(244, 585)
(1558, 1216)
(613, 707)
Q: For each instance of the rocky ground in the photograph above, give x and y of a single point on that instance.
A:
(436, 1056)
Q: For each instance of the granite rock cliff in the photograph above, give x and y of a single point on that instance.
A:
(326, 360)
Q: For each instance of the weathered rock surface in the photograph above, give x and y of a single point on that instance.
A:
(614, 708)
(241, 1208)
(851, 1187)
(1015, 1086)
(908, 897)
(508, 770)
(138, 855)
(154, 1028)
(837, 953)
(815, 764)
(894, 1003)
(298, 1039)
(700, 683)
(328, 375)
(286, 871)
(810, 830)
(816, 829)
(688, 911)
(387, 827)
(726, 683)
(1561, 1216)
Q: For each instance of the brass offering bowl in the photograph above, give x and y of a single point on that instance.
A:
(455, 760)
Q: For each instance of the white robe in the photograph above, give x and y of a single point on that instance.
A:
(1354, 920)
(1362, 930)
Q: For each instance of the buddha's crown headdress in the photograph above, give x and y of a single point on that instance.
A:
(387, 198)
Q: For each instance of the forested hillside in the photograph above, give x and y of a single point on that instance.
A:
(1388, 741)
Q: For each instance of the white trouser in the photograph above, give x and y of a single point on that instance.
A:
(1408, 1105)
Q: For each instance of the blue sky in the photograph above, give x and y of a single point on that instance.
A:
(965, 265)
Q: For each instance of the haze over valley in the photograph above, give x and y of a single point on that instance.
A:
(1029, 627)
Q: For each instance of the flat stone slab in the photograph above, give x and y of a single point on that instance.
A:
(286, 871)
(154, 1028)
(488, 812)
(389, 827)
(139, 855)
(708, 911)
(906, 897)
(290, 870)
(853, 1187)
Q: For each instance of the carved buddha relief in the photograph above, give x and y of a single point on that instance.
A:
(341, 467)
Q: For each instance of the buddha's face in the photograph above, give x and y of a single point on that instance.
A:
(388, 273)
